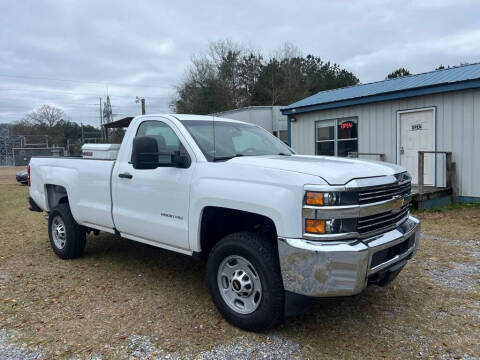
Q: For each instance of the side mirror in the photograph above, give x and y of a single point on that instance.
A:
(145, 153)
(179, 160)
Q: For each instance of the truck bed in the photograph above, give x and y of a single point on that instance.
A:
(87, 182)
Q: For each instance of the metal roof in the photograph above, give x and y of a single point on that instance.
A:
(122, 123)
(428, 83)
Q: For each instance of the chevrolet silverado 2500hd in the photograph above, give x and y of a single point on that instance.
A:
(268, 221)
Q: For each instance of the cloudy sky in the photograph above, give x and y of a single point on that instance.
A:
(71, 53)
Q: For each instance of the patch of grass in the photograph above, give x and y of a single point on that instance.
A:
(452, 207)
(459, 221)
(120, 288)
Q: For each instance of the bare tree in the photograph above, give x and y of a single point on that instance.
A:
(219, 50)
(287, 51)
(45, 115)
(228, 76)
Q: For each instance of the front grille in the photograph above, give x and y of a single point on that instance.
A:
(374, 223)
(384, 192)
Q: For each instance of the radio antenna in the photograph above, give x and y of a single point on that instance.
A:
(213, 126)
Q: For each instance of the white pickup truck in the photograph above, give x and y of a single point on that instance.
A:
(270, 223)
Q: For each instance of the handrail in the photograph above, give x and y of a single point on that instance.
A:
(356, 154)
(450, 169)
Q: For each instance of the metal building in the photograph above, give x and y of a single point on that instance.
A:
(430, 116)
(268, 117)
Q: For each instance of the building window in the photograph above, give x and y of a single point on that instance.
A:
(336, 137)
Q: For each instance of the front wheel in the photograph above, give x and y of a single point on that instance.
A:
(245, 283)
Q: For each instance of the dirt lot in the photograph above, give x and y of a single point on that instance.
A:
(126, 300)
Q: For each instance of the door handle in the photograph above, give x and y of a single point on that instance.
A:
(125, 175)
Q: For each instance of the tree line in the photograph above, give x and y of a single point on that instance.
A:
(52, 123)
(229, 76)
(404, 72)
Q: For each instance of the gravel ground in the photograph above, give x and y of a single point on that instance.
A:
(457, 357)
(457, 276)
(124, 300)
(243, 348)
(462, 277)
(10, 351)
(142, 348)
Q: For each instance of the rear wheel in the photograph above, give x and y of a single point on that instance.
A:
(67, 237)
(244, 279)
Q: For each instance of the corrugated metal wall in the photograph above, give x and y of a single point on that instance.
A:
(457, 123)
(268, 117)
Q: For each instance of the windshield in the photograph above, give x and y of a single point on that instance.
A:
(233, 139)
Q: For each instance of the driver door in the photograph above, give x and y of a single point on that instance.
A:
(151, 205)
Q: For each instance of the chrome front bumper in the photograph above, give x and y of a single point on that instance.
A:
(334, 268)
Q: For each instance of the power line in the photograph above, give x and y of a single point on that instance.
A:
(31, 107)
(70, 93)
(104, 83)
(60, 104)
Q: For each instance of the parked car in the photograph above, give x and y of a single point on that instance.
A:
(270, 223)
(22, 177)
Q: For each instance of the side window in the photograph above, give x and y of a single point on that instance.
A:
(167, 140)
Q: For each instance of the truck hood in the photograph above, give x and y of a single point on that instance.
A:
(334, 170)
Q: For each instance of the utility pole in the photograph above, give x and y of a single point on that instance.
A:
(83, 140)
(142, 100)
(101, 118)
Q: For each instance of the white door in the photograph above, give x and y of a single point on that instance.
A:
(152, 205)
(417, 132)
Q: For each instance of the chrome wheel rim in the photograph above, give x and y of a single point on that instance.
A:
(59, 233)
(239, 284)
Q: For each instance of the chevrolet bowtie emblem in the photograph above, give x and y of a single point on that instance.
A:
(398, 203)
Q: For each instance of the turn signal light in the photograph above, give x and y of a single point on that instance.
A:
(315, 226)
(314, 198)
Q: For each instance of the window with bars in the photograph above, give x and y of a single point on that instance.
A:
(336, 137)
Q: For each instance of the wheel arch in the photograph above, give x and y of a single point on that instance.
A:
(56, 194)
(217, 222)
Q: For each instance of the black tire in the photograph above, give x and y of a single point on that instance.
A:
(74, 239)
(262, 254)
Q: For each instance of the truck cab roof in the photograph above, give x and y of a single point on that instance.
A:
(190, 117)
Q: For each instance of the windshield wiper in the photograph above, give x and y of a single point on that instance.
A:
(222, 158)
(284, 154)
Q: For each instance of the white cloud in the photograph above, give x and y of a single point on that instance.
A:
(161, 48)
(461, 47)
(127, 45)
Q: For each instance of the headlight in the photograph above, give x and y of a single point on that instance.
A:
(331, 198)
(321, 199)
(330, 226)
(404, 177)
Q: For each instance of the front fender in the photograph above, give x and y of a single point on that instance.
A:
(276, 196)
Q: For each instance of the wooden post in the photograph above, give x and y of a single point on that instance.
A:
(454, 183)
(421, 157)
(448, 165)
